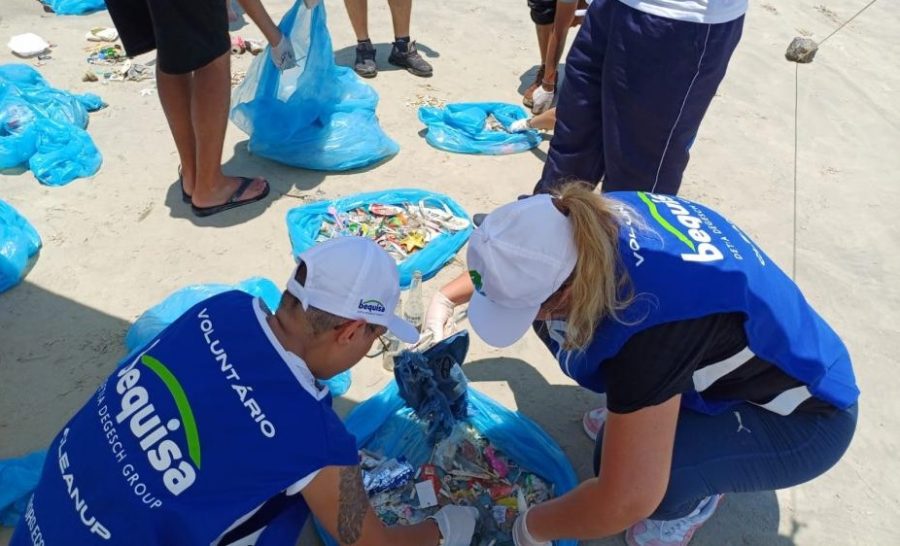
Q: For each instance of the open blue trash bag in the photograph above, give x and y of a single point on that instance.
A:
(157, 318)
(18, 478)
(304, 222)
(19, 242)
(44, 128)
(385, 424)
(316, 116)
(75, 7)
(462, 128)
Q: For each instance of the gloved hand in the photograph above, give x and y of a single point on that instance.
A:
(521, 536)
(543, 100)
(439, 317)
(283, 54)
(457, 524)
(520, 126)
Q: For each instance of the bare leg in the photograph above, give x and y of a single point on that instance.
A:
(543, 36)
(210, 101)
(175, 96)
(358, 11)
(401, 13)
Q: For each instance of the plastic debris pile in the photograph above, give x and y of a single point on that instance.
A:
(399, 229)
(465, 469)
(44, 128)
(73, 7)
(19, 243)
(316, 116)
(477, 128)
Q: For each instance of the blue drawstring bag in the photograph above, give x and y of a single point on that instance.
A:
(316, 116)
(75, 7)
(385, 424)
(461, 128)
(160, 316)
(304, 222)
(19, 242)
(44, 127)
(18, 478)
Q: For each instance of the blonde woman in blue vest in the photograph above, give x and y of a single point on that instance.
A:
(719, 376)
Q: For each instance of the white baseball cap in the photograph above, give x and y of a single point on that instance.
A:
(353, 278)
(519, 256)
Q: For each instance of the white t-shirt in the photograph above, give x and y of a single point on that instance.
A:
(710, 12)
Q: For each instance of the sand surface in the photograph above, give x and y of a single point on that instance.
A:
(119, 242)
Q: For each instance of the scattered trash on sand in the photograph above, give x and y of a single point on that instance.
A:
(426, 100)
(106, 55)
(239, 46)
(102, 34)
(237, 77)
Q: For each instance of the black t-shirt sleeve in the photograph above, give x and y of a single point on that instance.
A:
(657, 363)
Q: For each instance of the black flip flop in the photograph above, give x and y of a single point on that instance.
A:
(233, 201)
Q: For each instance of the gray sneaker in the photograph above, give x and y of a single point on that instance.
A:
(365, 60)
(408, 57)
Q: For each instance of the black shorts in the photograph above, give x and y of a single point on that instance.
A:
(542, 11)
(187, 34)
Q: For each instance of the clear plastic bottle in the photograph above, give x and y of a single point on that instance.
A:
(414, 307)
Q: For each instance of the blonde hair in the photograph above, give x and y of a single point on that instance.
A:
(599, 286)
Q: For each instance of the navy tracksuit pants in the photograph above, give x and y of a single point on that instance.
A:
(636, 88)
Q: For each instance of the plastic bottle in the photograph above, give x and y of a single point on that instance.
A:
(414, 308)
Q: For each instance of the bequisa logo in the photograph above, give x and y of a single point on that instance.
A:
(698, 240)
(371, 306)
(163, 452)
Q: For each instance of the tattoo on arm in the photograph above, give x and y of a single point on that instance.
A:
(353, 505)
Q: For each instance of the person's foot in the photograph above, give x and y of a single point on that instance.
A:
(226, 189)
(676, 532)
(365, 60)
(527, 99)
(405, 55)
(593, 422)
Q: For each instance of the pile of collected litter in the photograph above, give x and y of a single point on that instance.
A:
(399, 229)
(19, 243)
(477, 128)
(421, 230)
(73, 7)
(465, 469)
(44, 128)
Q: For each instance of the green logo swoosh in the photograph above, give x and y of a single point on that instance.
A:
(181, 401)
(654, 212)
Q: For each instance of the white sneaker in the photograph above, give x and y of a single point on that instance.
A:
(593, 422)
(678, 532)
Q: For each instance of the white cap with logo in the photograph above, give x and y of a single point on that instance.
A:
(353, 278)
(521, 254)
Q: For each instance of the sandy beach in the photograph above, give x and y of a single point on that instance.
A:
(117, 243)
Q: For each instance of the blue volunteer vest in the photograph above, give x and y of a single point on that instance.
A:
(188, 436)
(685, 262)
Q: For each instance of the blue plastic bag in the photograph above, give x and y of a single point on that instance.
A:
(44, 127)
(461, 128)
(385, 424)
(316, 116)
(75, 7)
(157, 318)
(18, 478)
(304, 223)
(19, 242)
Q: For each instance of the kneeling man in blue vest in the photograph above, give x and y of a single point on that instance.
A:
(218, 433)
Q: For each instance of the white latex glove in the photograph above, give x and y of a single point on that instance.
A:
(519, 126)
(457, 524)
(438, 318)
(521, 536)
(283, 54)
(543, 99)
